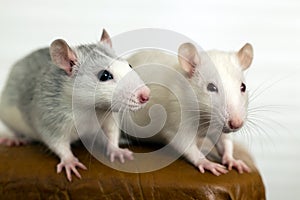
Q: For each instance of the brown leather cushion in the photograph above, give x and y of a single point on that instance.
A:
(28, 172)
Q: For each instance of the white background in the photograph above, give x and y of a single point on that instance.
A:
(271, 26)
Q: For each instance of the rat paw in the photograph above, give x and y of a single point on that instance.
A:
(70, 166)
(215, 168)
(116, 152)
(12, 142)
(233, 163)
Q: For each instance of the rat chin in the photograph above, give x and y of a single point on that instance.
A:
(227, 130)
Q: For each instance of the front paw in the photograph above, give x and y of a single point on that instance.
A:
(121, 154)
(215, 168)
(70, 166)
(9, 142)
(233, 163)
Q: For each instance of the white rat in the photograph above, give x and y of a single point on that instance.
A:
(36, 103)
(229, 112)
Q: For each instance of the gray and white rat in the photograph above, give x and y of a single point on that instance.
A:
(36, 103)
(227, 112)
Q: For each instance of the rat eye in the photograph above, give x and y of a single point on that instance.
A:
(130, 66)
(104, 75)
(243, 87)
(212, 88)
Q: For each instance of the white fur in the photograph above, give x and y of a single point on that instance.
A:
(233, 108)
(231, 75)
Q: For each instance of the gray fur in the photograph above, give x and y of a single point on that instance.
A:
(41, 91)
(48, 88)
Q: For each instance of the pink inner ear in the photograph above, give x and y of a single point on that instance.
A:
(71, 55)
(72, 60)
(188, 58)
(105, 38)
(66, 63)
(63, 56)
(245, 56)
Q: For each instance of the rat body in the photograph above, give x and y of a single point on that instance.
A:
(227, 113)
(36, 103)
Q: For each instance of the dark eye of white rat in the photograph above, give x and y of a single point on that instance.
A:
(104, 75)
(130, 66)
(243, 87)
(212, 88)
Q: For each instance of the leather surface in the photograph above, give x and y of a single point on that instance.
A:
(28, 172)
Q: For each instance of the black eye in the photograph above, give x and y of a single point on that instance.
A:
(212, 88)
(104, 75)
(243, 87)
(130, 66)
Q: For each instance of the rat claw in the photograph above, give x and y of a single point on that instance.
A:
(121, 154)
(81, 166)
(69, 176)
(215, 172)
(59, 168)
(70, 166)
(246, 168)
(215, 168)
(201, 169)
(112, 157)
(121, 157)
(230, 165)
(9, 142)
(238, 164)
(75, 171)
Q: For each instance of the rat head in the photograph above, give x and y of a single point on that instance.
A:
(100, 73)
(218, 76)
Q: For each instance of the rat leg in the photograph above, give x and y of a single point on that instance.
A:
(225, 149)
(67, 159)
(195, 156)
(112, 131)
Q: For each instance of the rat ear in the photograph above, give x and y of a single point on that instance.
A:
(245, 56)
(62, 55)
(105, 38)
(188, 58)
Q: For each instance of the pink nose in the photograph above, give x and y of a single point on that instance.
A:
(143, 94)
(235, 124)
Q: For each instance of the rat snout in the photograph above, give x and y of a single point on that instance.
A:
(234, 118)
(235, 123)
(143, 94)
